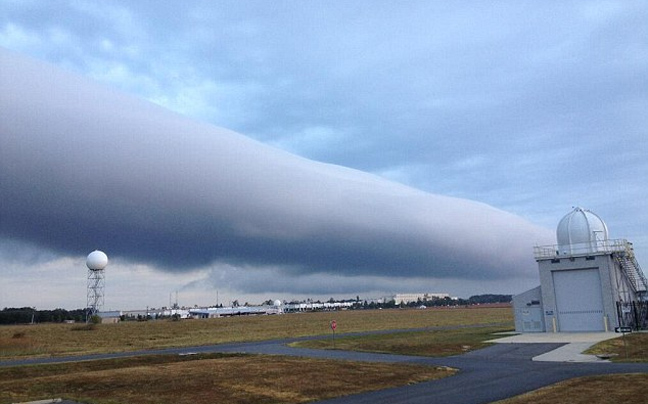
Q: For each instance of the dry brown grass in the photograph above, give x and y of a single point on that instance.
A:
(609, 389)
(10, 346)
(206, 379)
(60, 339)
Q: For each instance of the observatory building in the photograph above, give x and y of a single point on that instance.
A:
(588, 282)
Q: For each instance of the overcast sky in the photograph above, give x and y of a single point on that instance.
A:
(311, 149)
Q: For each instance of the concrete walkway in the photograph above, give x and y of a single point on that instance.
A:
(575, 344)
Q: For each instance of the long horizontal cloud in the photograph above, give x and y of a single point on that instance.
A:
(85, 167)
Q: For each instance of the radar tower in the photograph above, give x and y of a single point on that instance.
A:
(96, 263)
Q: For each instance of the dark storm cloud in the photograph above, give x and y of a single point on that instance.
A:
(85, 167)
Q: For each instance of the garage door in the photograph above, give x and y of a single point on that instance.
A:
(579, 301)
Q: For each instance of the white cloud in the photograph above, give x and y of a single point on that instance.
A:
(528, 109)
(169, 192)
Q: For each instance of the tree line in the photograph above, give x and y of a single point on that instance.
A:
(28, 315)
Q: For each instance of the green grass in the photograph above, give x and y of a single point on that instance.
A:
(629, 348)
(423, 343)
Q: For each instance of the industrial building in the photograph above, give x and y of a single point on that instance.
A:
(416, 297)
(588, 282)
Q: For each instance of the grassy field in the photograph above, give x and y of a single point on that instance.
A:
(237, 378)
(219, 377)
(609, 389)
(629, 348)
(423, 343)
(197, 379)
(73, 339)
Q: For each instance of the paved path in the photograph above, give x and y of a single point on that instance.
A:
(575, 344)
(494, 373)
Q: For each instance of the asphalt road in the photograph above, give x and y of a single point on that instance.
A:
(494, 373)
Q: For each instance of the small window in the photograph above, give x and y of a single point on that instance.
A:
(555, 261)
(590, 258)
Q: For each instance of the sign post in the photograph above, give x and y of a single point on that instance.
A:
(623, 331)
(333, 327)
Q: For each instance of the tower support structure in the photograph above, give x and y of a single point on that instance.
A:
(96, 262)
(95, 293)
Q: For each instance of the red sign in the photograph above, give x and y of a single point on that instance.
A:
(333, 325)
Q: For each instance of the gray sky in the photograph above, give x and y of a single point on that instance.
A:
(370, 148)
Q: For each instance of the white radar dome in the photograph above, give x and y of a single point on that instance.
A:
(97, 260)
(277, 302)
(580, 231)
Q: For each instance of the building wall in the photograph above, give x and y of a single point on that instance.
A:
(605, 267)
(528, 311)
(413, 297)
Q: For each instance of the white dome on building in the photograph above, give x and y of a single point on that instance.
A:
(580, 231)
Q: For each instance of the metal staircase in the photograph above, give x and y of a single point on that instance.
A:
(633, 313)
(634, 274)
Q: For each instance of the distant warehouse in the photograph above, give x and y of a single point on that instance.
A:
(415, 297)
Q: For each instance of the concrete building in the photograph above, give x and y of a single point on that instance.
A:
(109, 317)
(415, 297)
(588, 282)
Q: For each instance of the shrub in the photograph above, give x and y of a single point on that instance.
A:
(84, 327)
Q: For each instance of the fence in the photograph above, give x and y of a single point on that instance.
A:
(633, 314)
